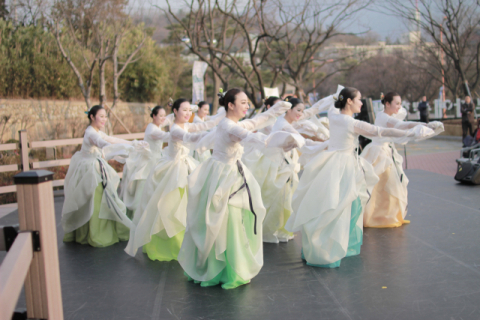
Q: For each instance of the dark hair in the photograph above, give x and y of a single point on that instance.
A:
(345, 94)
(177, 103)
(93, 111)
(389, 97)
(271, 101)
(202, 103)
(293, 101)
(229, 97)
(156, 110)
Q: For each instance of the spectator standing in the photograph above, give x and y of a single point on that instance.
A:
(467, 109)
(423, 108)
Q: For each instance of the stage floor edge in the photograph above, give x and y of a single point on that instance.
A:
(429, 269)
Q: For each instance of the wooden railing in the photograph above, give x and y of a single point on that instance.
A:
(32, 258)
(25, 147)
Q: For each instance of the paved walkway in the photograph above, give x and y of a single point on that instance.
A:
(443, 163)
(436, 155)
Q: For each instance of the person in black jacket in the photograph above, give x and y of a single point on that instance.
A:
(467, 109)
(423, 109)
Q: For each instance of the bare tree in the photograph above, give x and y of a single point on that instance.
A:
(453, 27)
(263, 42)
(429, 62)
(98, 28)
(299, 57)
(227, 36)
(89, 59)
(29, 11)
(3, 10)
(394, 72)
(128, 58)
(81, 19)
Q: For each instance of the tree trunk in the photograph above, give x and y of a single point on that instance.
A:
(101, 77)
(115, 72)
(85, 88)
(299, 93)
(216, 88)
(284, 89)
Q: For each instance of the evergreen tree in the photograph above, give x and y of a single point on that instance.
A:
(3, 10)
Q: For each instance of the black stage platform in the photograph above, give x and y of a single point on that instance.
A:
(429, 269)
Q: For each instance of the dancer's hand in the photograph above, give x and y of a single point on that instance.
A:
(435, 125)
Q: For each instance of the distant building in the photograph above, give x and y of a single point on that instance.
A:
(361, 52)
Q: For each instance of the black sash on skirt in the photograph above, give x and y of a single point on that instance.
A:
(245, 185)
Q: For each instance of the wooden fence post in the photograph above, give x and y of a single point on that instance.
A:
(36, 212)
(24, 150)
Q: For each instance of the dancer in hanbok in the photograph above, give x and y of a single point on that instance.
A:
(312, 128)
(261, 166)
(92, 212)
(388, 204)
(336, 184)
(282, 177)
(139, 164)
(201, 116)
(223, 240)
(267, 127)
(160, 218)
(202, 112)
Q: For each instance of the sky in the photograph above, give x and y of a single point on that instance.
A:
(384, 25)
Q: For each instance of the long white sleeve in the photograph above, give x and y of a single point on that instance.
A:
(284, 136)
(169, 120)
(207, 125)
(371, 131)
(396, 121)
(158, 134)
(390, 134)
(179, 134)
(320, 106)
(101, 139)
(96, 139)
(268, 116)
(114, 140)
(311, 129)
(402, 125)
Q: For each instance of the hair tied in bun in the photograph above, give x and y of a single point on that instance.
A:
(220, 93)
(388, 98)
(344, 95)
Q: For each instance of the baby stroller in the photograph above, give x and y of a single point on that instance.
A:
(468, 169)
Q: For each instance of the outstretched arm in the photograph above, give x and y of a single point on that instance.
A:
(391, 134)
(101, 139)
(207, 125)
(402, 125)
(268, 116)
(179, 134)
(320, 106)
(158, 134)
(168, 120)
